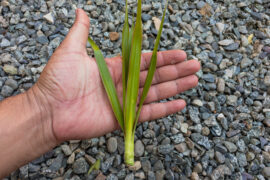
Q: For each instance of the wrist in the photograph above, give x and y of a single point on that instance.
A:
(41, 109)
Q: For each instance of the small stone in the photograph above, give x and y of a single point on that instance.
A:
(256, 16)
(5, 43)
(244, 41)
(130, 177)
(200, 4)
(49, 18)
(140, 175)
(114, 36)
(184, 128)
(100, 176)
(66, 149)
(157, 22)
(232, 47)
(71, 158)
(230, 146)
(225, 42)
(165, 149)
(90, 159)
(219, 157)
(9, 69)
(21, 39)
(42, 39)
(194, 176)
(12, 83)
(246, 62)
(266, 171)
(231, 100)
(209, 78)
(6, 91)
(220, 26)
(197, 102)
(267, 122)
(80, 166)
(139, 148)
(137, 165)
(181, 147)
(198, 168)
(221, 85)
(158, 166)
(267, 80)
(250, 156)
(112, 144)
(205, 131)
(57, 163)
(146, 165)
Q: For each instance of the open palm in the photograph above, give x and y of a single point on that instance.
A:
(78, 101)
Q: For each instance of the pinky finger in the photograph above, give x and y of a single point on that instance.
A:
(158, 110)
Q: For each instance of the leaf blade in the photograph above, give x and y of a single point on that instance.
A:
(151, 70)
(125, 55)
(108, 83)
(134, 72)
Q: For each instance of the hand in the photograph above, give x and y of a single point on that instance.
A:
(74, 93)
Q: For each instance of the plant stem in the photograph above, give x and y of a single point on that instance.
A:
(129, 148)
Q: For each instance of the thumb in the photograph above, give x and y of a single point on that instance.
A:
(77, 37)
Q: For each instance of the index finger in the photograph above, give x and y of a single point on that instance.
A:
(163, 58)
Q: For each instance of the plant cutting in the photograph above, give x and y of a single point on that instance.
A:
(128, 114)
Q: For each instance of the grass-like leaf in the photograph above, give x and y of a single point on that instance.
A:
(151, 70)
(108, 83)
(133, 87)
(125, 55)
(95, 166)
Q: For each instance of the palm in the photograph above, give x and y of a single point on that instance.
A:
(80, 105)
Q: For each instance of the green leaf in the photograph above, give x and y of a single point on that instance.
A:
(133, 73)
(151, 70)
(95, 166)
(125, 55)
(108, 83)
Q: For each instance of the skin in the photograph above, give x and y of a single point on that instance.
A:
(69, 101)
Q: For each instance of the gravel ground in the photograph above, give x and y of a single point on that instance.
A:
(224, 131)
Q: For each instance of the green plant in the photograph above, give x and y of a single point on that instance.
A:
(131, 58)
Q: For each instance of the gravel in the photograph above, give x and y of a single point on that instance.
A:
(223, 133)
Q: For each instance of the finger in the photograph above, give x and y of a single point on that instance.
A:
(158, 110)
(170, 88)
(77, 37)
(163, 58)
(172, 72)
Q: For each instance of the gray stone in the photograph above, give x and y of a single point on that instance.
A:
(232, 47)
(230, 146)
(106, 165)
(49, 18)
(66, 149)
(5, 43)
(226, 42)
(165, 149)
(181, 147)
(57, 163)
(200, 4)
(178, 138)
(130, 176)
(12, 83)
(209, 78)
(266, 171)
(194, 114)
(42, 40)
(219, 157)
(80, 166)
(246, 62)
(112, 144)
(139, 148)
(6, 91)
